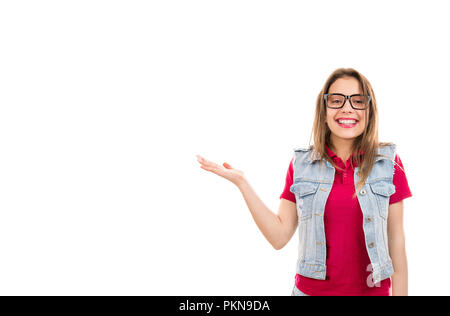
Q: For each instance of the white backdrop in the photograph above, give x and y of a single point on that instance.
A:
(104, 105)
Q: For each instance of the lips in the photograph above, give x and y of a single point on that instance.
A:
(347, 123)
(346, 120)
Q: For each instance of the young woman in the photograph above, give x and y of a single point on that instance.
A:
(345, 194)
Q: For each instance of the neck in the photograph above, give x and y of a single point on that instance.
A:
(341, 147)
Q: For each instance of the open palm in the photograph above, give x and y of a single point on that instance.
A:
(234, 175)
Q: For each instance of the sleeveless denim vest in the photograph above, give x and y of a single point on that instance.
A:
(312, 184)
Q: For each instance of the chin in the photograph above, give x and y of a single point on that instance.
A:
(347, 136)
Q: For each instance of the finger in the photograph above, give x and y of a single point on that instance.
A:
(212, 169)
(199, 158)
(209, 163)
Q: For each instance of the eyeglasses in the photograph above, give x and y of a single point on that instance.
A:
(337, 100)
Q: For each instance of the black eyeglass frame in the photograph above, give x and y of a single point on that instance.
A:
(325, 96)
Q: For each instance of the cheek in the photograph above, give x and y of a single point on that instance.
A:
(330, 117)
(362, 122)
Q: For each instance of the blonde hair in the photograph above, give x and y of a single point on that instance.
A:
(366, 142)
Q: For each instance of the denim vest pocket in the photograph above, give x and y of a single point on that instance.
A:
(382, 191)
(304, 193)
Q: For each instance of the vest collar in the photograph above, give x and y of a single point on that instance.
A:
(384, 152)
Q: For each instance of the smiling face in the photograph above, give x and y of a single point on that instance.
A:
(341, 132)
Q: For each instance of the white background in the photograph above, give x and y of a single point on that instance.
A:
(104, 105)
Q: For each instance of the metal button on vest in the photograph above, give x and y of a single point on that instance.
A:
(368, 219)
(371, 245)
(362, 192)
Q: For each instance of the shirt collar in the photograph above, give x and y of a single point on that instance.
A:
(333, 155)
(330, 152)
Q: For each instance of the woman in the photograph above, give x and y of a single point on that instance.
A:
(350, 215)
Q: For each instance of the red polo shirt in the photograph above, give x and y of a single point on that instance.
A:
(347, 258)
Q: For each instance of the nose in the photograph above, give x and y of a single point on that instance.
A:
(347, 107)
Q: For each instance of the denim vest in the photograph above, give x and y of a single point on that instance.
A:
(312, 184)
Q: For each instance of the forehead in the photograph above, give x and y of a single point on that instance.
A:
(346, 85)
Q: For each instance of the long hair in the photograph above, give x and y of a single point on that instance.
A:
(367, 142)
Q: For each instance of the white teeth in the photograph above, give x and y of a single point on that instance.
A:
(347, 121)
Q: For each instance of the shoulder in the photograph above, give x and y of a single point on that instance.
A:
(305, 155)
(390, 150)
(303, 149)
(389, 146)
(387, 150)
(398, 164)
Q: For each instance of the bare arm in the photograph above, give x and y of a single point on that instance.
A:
(277, 228)
(397, 250)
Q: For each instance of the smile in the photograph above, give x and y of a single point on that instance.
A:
(347, 123)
